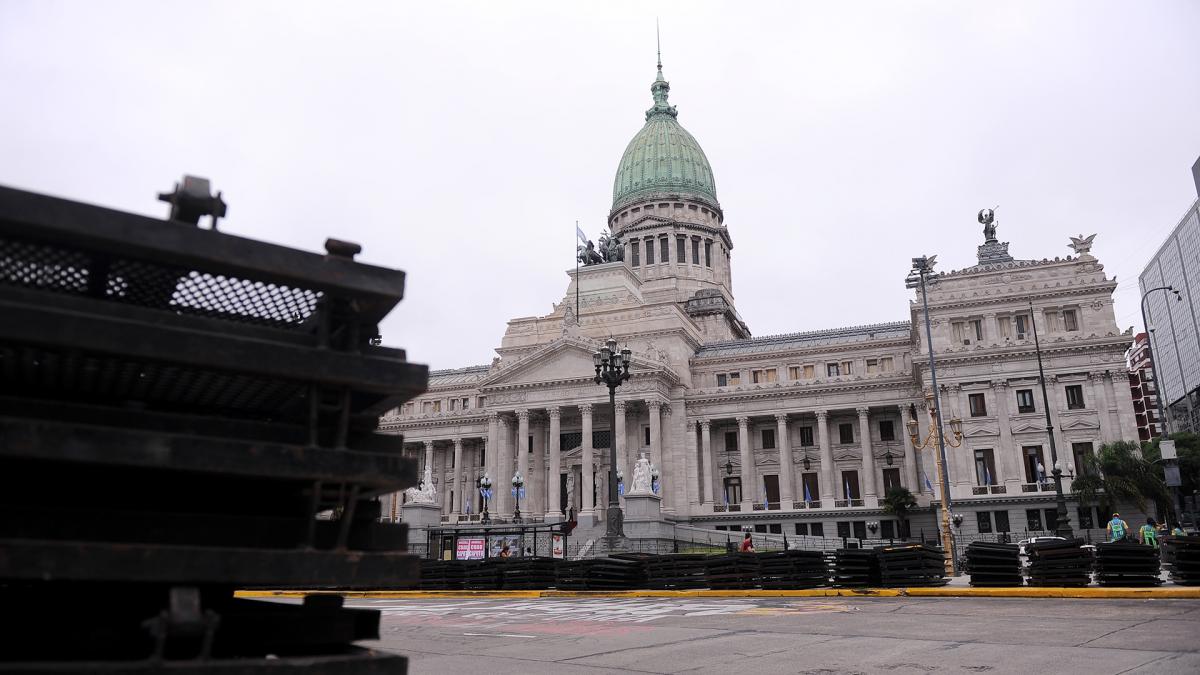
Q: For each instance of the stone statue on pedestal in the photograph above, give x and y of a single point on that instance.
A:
(423, 493)
(641, 478)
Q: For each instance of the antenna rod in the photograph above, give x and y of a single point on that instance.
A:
(658, 42)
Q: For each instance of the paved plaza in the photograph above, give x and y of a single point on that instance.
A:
(780, 635)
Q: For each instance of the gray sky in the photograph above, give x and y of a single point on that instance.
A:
(460, 141)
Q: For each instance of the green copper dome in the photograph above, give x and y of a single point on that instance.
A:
(663, 157)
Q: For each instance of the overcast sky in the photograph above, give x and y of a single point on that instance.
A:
(461, 141)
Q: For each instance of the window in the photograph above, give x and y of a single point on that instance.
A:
(887, 431)
(1025, 401)
(1081, 451)
(1004, 326)
(1074, 397)
(1033, 520)
(832, 370)
(760, 528)
(768, 439)
(437, 406)
(1070, 322)
(843, 529)
(756, 377)
(695, 251)
(483, 455)
(733, 489)
(453, 404)
(846, 370)
(664, 250)
(466, 403)
(850, 485)
(1051, 519)
(426, 407)
(771, 485)
(802, 529)
(860, 529)
(887, 529)
(978, 405)
(976, 329)
(984, 519)
(735, 379)
(708, 254)
(1032, 455)
(731, 441)
(886, 364)
(765, 376)
(816, 530)
(680, 250)
(793, 372)
(872, 366)
(1001, 521)
(846, 432)
(985, 467)
(806, 437)
(775, 528)
(1084, 514)
(479, 402)
(810, 487)
(772, 375)
(891, 479)
(722, 380)
(810, 372)
(1022, 325)
(635, 252)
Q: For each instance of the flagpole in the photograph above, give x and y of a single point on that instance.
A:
(577, 321)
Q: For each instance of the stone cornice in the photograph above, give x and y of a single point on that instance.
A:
(804, 353)
(651, 223)
(1026, 350)
(778, 391)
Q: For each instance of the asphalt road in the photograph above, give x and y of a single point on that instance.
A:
(819, 635)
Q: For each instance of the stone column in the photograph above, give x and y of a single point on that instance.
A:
(553, 480)
(910, 454)
(491, 446)
(588, 503)
(501, 483)
(537, 495)
(1007, 456)
(786, 470)
(749, 479)
(444, 497)
(428, 458)
(706, 459)
(1099, 401)
(689, 449)
(656, 434)
(458, 482)
(828, 480)
(870, 493)
(523, 444)
(620, 438)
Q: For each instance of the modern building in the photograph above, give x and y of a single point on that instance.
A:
(1142, 387)
(801, 433)
(1175, 321)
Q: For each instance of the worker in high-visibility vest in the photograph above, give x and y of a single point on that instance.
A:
(1117, 528)
(1148, 533)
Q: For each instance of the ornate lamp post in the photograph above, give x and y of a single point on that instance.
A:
(1062, 525)
(518, 485)
(654, 478)
(485, 490)
(612, 368)
(922, 269)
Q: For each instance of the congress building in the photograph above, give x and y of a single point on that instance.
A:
(801, 433)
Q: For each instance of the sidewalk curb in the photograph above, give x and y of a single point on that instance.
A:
(935, 592)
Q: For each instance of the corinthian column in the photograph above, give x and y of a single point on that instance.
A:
(910, 455)
(619, 438)
(523, 447)
(870, 495)
(827, 478)
(749, 479)
(456, 484)
(587, 455)
(554, 489)
(783, 442)
(706, 459)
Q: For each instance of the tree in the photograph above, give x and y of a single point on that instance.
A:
(897, 501)
(1119, 473)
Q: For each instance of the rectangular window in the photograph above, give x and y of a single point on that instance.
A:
(846, 432)
(1069, 321)
(978, 405)
(1032, 455)
(843, 529)
(810, 372)
(891, 479)
(722, 380)
(437, 406)
(1022, 326)
(816, 530)
(646, 436)
(849, 485)
(482, 455)
(735, 379)
(635, 253)
(793, 372)
(886, 364)
(985, 467)
(426, 407)
(757, 377)
(959, 333)
(664, 250)
(832, 370)
(731, 442)
(802, 529)
(775, 528)
(1033, 520)
(846, 369)
(977, 330)
(649, 251)
(453, 404)
(1075, 397)
(887, 529)
(480, 401)
(708, 254)
(1025, 401)
(760, 528)
(771, 483)
(768, 439)
(810, 487)
(806, 437)
(984, 519)
(872, 366)
(887, 431)
(695, 251)
(1004, 324)
(1051, 519)
(466, 403)
(1080, 452)
(733, 489)
(1001, 521)
(680, 250)
(860, 529)
(772, 375)
(1084, 514)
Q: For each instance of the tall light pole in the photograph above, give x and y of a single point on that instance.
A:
(1062, 525)
(612, 368)
(922, 269)
(1162, 418)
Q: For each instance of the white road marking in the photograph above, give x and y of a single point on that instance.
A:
(516, 635)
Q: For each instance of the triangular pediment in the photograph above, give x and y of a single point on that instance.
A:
(1026, 427)
(567, 359)
(981, 431)
(1081, 423)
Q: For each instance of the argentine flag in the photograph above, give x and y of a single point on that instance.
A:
(928, 485)
(807, 495)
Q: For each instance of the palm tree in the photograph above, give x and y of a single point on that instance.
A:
(897, 501)
(1118, 473)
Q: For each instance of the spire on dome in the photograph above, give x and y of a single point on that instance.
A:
(661, 87)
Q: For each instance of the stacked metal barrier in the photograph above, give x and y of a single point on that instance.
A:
(1127, 564)
(1059, 563)
(911, 565)
(992, 564)
(185, 412)
(1184, 556)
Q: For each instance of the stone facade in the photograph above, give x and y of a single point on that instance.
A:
(800, 433)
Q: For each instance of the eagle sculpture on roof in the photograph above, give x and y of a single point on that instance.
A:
(1082, 245)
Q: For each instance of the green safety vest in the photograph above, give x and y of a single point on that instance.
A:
(1149, 536)
(1118, 529)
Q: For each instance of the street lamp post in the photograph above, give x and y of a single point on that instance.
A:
(518, 483)
(922, 269)
(1162, 418)
(485, 490)
(1062, 525)
(612, 368)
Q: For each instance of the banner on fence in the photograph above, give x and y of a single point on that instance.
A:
(469, 548)
(558, 547)
(496, 544)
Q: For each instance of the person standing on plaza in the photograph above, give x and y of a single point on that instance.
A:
(747, 545)
(1148, 533)
(1117, 528)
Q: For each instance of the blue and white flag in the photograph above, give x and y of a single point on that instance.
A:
(928, 485)
(579, 233)
(485, 493)
(726, 496)
(846, 486)
(520, 493)
(1041, 473)
(766, 504)
(987, 475)
(467, 504)
(807, 494)
(621, 489)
